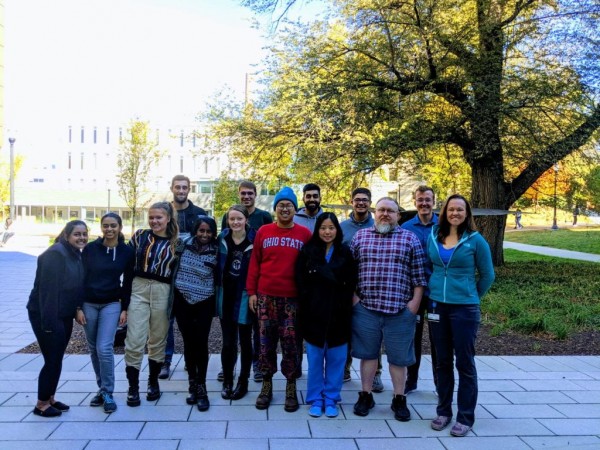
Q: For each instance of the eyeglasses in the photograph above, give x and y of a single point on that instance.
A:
(386, 211)
(283, 207)
(361, 200)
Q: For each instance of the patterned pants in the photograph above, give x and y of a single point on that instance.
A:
(277, 322)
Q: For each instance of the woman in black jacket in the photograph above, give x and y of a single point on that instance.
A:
(105, 302)
(53, 302)
(326, 277)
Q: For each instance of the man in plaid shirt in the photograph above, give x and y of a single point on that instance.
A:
(391, 282)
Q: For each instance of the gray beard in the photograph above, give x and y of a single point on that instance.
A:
(383, 228)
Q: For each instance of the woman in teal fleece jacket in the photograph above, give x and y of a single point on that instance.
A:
(462, 273)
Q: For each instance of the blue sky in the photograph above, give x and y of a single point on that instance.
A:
(101, 62)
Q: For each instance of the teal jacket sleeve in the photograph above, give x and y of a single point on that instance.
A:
(485, 267)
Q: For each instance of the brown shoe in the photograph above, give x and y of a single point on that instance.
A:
(291, 398)
(263, 401)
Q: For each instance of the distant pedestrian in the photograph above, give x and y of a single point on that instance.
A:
(462, 274)
(518, 214)
(326, 277)
(53, 303)
(105, 302)
(575, 214)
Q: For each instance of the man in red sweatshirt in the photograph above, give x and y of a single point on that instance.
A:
(272, 295)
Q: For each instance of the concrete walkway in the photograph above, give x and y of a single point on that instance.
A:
(524, 402)
(549, 251)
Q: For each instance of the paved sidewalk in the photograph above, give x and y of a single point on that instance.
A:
(524, 403)
(549, 251)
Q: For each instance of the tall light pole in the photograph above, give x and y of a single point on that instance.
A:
(11, 141)
(554, 225)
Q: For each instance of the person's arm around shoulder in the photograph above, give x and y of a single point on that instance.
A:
(254, 271)
(484, 265)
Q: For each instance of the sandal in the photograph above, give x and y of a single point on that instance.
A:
(460, 430)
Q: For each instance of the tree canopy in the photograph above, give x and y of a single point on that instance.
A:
(511, 86)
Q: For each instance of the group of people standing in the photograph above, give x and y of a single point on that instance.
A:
(343, 289)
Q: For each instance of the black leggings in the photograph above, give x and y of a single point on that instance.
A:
(230, 330)
(194, 323)
(53, 346)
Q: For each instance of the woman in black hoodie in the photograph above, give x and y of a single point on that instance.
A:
(105, 302)
(53, 301)
(326, 276)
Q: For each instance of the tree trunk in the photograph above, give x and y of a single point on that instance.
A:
(488, 192)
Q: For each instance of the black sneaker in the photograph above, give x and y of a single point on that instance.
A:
(410, 387)
(401, 411)
(364, 404)
(97, 400)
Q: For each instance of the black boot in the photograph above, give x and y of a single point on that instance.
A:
(133, 394)
(203, 403)
(227, 390)
(192, 399)
(153, 392)
(241, 389)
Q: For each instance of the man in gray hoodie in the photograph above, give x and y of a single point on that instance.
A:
(307, 216)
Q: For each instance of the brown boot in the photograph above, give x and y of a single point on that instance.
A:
(291, 398)
(266, 394)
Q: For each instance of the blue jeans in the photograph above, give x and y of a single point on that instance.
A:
(455, 334)
(325, 373)
(100, 328)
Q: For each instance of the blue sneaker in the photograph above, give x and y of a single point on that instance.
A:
(109, 404)
(316, 410)
(331, 410)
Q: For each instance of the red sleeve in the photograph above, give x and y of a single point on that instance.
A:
(254, 268)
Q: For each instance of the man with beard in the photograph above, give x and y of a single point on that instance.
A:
(272, 296)
(256, 218)
(391, 281)
(307, 216)
(187, 213)
(421, 225)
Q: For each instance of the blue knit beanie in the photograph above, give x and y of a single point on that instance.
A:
(286, 193)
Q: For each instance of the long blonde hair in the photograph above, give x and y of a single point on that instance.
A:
(172, 227)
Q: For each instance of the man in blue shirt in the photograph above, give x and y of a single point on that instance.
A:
(421, 225)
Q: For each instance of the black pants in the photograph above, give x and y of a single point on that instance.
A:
(53, 346)
(231, 330)
(194, 323)
(413, 371)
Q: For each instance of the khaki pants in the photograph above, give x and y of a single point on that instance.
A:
(147, 321)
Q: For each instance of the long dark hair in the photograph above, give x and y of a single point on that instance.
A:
(68, 229)
(117, 217)
(315, 246)
(444, 226)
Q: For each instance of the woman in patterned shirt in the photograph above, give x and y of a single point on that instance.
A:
(150, 306)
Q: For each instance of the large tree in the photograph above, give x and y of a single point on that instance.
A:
(138, 154)
(511, 84)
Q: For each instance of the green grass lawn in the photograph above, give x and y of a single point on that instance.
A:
(577, 239)
(536, 294)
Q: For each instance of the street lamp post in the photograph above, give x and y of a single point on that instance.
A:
(554, 225)
(11, 141)
(108, 206)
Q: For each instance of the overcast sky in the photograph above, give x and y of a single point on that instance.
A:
(103, 62)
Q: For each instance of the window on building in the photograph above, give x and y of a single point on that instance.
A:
(69, 161)
(181, 139)
(81, 161)
(95, 135)
(82, 134)
(108, 135)
(205, 165)
(205, 189)
(95, 161)
(70, 134)
(181, 164)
